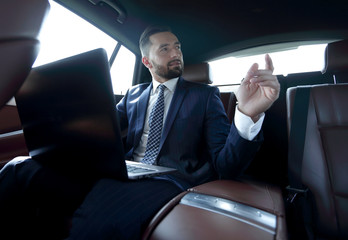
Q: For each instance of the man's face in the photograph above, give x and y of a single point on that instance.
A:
(165, 60)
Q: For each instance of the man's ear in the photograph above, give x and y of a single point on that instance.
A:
(146, 62)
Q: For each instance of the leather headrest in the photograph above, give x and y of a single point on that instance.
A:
(22, 19)
(197, 73)
(20, 24)
(336, 57)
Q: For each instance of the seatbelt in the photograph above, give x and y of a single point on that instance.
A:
(297, 142)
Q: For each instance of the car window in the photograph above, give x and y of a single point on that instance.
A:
(65, 34)
(122, 71)
(228, 72)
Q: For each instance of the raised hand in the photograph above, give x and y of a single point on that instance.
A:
(259, 89)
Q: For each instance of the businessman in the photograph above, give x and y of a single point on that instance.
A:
(170, 122)
(196, 137)
(192, 135)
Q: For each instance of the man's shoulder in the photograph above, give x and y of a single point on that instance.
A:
(139, 87)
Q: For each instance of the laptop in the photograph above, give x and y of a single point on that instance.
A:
(70, 123)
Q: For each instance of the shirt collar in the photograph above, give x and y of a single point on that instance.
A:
(170, 84)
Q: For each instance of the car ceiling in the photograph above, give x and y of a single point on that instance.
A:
(208, 29)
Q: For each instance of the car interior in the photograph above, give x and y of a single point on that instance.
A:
(296, 187)
(19, 49)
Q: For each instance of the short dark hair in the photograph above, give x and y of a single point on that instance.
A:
(144, 41)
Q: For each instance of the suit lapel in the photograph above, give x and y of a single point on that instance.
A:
(177, 99)
(141, 113)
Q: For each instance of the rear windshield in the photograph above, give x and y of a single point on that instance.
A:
(231, 70)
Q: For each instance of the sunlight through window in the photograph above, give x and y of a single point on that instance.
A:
(65, 34)
(232, 70)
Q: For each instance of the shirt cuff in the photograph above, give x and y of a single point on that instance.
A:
(246, 127)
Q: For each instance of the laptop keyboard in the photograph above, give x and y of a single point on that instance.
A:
(136, 169)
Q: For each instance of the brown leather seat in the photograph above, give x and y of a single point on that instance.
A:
(19, 45)
(229, 100)
(222, 209)
(197, 73)
(12, 142)
(336, 61)
(325, 158)
(324, 161)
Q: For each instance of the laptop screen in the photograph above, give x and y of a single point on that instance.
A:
(69, 120)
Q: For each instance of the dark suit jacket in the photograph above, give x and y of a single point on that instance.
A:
(197, 138)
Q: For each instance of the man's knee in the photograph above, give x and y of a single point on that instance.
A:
(15, 177)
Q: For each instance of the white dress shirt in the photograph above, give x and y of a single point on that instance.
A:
(245, 126)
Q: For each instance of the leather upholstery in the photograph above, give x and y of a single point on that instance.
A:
(19, 45)
(325, 161)
(179, 221)
(197, 73)
(229, 101)
(9, 119)
(336, 61)
(258, 195)
(12, 142)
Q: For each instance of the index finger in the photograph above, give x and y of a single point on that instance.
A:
(269, 63)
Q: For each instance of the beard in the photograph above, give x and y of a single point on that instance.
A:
(167, 72)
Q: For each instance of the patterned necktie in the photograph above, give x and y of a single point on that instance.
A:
(155, 124)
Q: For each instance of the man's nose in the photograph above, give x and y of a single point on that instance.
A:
(175, 53)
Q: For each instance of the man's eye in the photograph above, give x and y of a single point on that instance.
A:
(164, 49)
